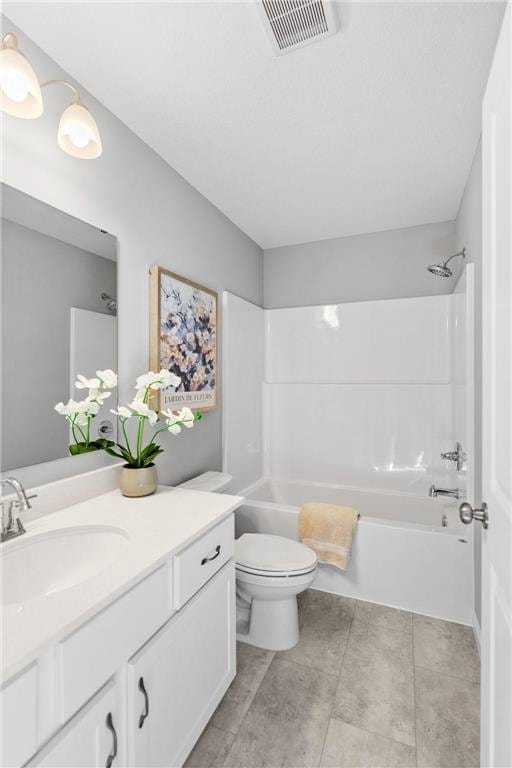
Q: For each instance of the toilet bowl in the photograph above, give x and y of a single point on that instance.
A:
(270, 572)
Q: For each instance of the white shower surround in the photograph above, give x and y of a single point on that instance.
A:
(353, 403)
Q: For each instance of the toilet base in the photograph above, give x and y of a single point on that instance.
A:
(266, 609)
(273, 624)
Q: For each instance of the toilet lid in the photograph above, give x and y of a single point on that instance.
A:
(262, 552)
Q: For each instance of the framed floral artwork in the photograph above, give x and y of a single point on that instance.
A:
(183, 339)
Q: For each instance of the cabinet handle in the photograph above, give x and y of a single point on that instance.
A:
(142, 689)
(211, 557)
(110, 725)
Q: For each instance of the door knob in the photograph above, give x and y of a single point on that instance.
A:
(467, 514)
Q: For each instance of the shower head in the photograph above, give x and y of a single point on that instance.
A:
(440, 270)
(443, 270)
(110, 302)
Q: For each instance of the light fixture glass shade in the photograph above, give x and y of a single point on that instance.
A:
(20, 94)
(78, 133)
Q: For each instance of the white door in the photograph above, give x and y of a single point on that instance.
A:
(497, 412)
(93, 347)
(90, 740)
(176, 681)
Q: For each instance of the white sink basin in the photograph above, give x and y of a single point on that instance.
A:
(40, 565)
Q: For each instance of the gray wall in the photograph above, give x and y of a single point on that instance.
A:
(381, 265)
(157, 217)
(469, 234)
(42, 279)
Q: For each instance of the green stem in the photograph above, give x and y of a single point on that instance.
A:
(166, 429)
(73, 431)
(140, 435)
(123, 422)
(73, 425)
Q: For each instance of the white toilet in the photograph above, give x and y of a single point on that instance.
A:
(270, 572)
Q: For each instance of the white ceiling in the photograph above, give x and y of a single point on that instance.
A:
(371, 129)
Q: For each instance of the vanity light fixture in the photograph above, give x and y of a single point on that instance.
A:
(20, 96)
(20, 91)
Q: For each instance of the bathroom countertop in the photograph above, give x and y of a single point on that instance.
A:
(155, 527)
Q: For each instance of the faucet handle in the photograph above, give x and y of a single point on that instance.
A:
(15, 503)
(457, 455)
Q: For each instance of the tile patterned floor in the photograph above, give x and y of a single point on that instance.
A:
(366, 687)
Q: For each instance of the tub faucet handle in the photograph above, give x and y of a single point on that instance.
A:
(457, 455)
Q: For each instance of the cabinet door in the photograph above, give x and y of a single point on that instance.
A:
(89, 740)
(177, 680)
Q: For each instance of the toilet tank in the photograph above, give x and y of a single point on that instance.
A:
(214, 482)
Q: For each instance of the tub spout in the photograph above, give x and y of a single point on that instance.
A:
(454, 493)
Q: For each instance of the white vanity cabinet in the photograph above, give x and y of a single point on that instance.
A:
(135, 683)
(90, 740)
(177, 680)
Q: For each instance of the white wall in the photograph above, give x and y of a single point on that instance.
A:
(243, 342)
(354, 394)
(360, 394)
(381, 265)
(399, 341)
(469, 234)
(156, 216)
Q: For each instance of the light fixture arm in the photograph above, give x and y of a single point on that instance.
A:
(9, 40)
(77, 100)
(459, 253)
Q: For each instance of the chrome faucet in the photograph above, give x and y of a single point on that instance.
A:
(11, 522)
(454, 493)
(457, 455)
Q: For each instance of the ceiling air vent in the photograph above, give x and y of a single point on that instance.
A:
(294, 23)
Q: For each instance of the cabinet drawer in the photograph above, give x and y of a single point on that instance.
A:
(201, 560)
(18, 718)
(87, 658)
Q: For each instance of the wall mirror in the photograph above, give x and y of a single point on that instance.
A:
(59, 319)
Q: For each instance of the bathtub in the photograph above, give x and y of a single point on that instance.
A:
(409, 552)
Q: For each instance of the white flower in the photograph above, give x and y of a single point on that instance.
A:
(175, 421)
(187, 417)
(157, 380)
(84, 383)
(141, 409)
(108, 378)
(68, 409)
(125, 413)
(78, 412)
(89, 406)
(97, 396)
(170, 420)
